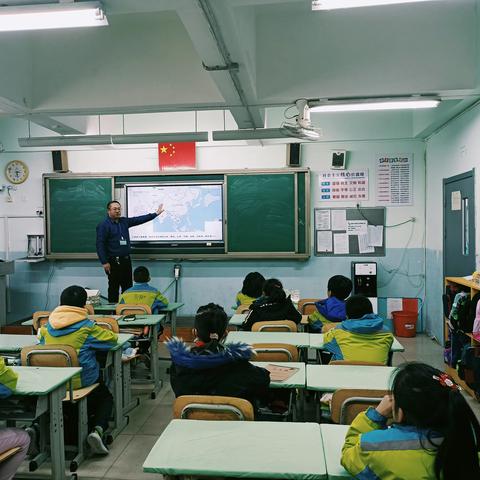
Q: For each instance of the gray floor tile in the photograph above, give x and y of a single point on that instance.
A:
(129, 465)
(157, 421)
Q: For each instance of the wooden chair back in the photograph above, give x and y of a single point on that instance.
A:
(4, 456)
(349, 402)
(244, 308)
(356, 362)
(275, 352)
(40, 318)
(108, 323)
(212, 407)
(306, 306)
(275, 326)
(90, 309)
(131, 309)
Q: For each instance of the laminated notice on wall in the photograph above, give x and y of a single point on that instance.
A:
(395, 179)
(345, 185)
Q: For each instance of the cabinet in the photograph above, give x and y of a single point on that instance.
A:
(473, 288)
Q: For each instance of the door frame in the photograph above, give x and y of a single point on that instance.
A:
(455, 178)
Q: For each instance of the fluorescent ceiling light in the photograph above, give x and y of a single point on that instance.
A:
(77, 140)
(337, 4)
(51, 16)
(369, 105)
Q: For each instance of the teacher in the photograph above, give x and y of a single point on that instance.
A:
(113, 246)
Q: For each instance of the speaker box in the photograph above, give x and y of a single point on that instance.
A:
(339, 158)
(293, 154)
(60, 161)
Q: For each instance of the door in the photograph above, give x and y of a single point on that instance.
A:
(459, 225)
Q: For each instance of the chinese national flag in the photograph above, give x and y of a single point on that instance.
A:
(176, 156)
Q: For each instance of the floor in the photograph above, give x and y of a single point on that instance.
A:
(148, 420)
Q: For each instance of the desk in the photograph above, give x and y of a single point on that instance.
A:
(329, 378)
(333, 437)
(237, 319)
(301, 340)
(13, 344)
(187, 447)
(48, 384)
(170, 311)
(297, 380)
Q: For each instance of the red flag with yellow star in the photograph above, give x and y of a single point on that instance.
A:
(176, 156)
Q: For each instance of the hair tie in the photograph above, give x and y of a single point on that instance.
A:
(445, 381)
(214, 336)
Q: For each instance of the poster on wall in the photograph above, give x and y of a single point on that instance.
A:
(395, 179)
(347, 185)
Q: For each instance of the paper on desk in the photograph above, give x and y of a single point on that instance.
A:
(324, 241)
(340, 244)
(92, 293)
(279, 373)
(322, 219)
(363, 246)
(339, 220)
(375, 235)
(394, 305)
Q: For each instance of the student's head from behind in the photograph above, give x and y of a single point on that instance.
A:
(210, 323)
(114, 209)
(339, 286)
(253, 284)
(357, 306)
(74, 296)
(141, 275)
(428, 399)
(273, 289)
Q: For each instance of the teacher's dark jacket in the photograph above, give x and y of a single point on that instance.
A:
(109, 234)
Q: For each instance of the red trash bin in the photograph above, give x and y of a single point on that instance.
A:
(405, 323)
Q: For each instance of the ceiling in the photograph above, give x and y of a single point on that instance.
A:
(253, 58)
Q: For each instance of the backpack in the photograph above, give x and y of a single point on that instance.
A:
(468, 327)
(460, 311)
(469, 368)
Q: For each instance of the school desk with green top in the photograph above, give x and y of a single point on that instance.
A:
(239, 449)
(170, 311)
(48, 385)
(333, 438)
(329, 378)
(301, 340)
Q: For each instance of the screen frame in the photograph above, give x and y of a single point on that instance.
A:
(154, 244)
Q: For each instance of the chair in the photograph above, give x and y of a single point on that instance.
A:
(274, 326)
(306, 306)
(275, 352)
(8, 454)
(90, 309)
(212, 407)
(40, 318)
(64, 356)
(244, 308)
(130, 309)
(108, 323)
(347, 403)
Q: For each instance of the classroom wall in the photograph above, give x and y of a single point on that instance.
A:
(453, 150)
(37, 286)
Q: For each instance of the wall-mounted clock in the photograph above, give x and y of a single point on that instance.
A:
(16, 171)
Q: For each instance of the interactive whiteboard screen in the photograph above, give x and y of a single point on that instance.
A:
(193, 213)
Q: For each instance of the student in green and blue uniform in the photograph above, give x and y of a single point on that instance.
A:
(251, 290)
(434, 434)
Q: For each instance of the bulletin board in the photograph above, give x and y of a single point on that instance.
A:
(341, 232)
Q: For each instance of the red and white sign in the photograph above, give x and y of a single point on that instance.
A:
(176, 156)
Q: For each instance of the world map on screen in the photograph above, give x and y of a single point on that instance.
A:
(192, 212)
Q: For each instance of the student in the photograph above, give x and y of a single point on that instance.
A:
(274, 305)
(362, 337)
(212, 368)
(434, 434)
(252, 289)
(11, 437)
(332, 309)
(68, 324)
(142, 292)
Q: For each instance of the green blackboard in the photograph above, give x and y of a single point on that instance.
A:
(74, 208)
(261, 213)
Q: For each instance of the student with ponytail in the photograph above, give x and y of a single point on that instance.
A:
(434, 434)
(212, 368)
(274, 305)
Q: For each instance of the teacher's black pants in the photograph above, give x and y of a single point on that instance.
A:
(120, 276)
